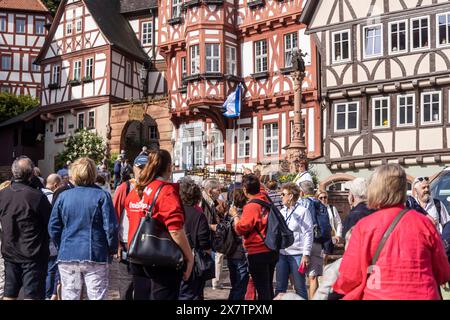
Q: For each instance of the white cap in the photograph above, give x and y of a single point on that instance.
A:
(357, 187)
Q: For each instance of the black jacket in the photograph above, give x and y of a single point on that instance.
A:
(197, 229)
(24, 216)
(356, 214)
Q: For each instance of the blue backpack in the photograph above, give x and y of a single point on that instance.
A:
(321, 222)
(278, 234)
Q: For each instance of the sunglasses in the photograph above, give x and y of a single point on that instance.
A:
(323, 198)
(284, 194)
(421, 179)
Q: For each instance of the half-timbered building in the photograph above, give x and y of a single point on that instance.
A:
(22, 34)
(210, 46)
(98, 54)
(385, 85)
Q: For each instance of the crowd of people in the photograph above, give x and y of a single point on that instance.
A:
(59, 235)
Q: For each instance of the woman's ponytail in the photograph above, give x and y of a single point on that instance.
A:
(158, 162)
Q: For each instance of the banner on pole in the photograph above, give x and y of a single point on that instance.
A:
(232, 106)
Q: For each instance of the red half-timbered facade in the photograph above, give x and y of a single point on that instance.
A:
(22, 35)
(210, 46)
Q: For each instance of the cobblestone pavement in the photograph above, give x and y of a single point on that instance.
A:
(210, 294)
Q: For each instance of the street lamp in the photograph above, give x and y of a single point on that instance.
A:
(296, 151)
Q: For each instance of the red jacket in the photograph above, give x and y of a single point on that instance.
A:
(253, 217)
(411, 265)
(168, 208)
(120, 194)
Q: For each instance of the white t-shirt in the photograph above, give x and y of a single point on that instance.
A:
(303, 176)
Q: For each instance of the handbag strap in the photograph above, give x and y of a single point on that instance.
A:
(150, 210)
(386, 235)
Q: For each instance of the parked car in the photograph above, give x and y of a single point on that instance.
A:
(440, 187)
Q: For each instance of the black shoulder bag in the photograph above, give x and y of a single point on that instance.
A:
(152, 244)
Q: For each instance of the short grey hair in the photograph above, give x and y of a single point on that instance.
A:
(211, 183)
(22, 169)
(357, 187)
(307, 187)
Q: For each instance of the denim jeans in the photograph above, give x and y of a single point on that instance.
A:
(289, 265)
(238, 277)
(52, 277)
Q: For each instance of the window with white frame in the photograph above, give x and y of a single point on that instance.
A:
(146, 33)
(60, 125)
(88, 68)
(176, 8)
(195, 59)
(405, 110)
(69, 28)
(373, 40)
(6, 62)
(443, 21)
(183, 68)
(34, 67)
(91, 119)
(198, 154)
(78, 25)
(420, 33)
(380, 113)
(290, 44)
(77, 70)
(80, 120)
(39, 27)
(212, 57)
(244, 138)
(261, 56)
(20, 25)
(56, 74)
(341, 46)
(231, 60)
(218, 145)
(271, 138)
(3, 24)
(346, 116)
(128, 73)
(398, 33)
(431, 107)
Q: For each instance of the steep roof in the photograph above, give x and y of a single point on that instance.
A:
(27, 5)
(113, 25)
(308, 11)
(134, 6)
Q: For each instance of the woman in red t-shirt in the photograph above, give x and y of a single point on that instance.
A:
(164, 283)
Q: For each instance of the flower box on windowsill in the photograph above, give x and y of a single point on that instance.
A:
(53, 86)
(193, 77)
(87, 79)
(255, 4)
(74, 83)
(212, 76)
(260, 75)
(174, 21)
(213, 2)
(287, 70)
(191, 4)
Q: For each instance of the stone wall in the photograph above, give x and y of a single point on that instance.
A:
(159, 111)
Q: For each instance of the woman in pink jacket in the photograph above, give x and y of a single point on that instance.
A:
(412, 264)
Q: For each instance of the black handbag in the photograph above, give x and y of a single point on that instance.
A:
(152, 245)
(204, 266)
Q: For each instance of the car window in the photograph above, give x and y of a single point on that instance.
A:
(440, 188)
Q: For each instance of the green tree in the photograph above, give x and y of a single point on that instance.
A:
(52, 5)
(12, 105)
(83, 144)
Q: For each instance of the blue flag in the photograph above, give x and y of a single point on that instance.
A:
(232, 106)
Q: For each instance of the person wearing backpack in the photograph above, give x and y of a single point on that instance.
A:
(323, 243)
(252, 225)
(129, 286)
(299, 220)
(436, 210)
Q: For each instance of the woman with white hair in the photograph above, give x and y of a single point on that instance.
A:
(395, 253)
(84, 227)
